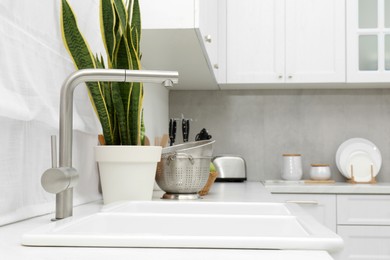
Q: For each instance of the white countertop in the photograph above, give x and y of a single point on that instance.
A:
(10, 236)
(276, 186)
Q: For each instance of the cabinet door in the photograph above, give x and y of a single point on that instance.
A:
(255, 41)
(364, 242)
(315, 41)
(168, 14)
(321, 207)
(368, 40)
(208, 26)
(363, 210)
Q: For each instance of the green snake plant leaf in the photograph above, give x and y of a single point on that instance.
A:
(142, 128)
(136, 27)
(106, 91)
(136, 98)
(135, 112)
(133, 37)
(99, 64)
(121, 92)
(83, 59)
(120, 112)
(107, 27)
(122, 14)
(73, 39)
(118, 104)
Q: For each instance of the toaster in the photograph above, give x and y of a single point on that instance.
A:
(230, 168)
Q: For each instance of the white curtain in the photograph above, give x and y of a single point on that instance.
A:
(33, 66)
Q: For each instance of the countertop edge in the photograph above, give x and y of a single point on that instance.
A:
(334, 188)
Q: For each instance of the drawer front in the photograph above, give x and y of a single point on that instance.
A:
(364, 242)
(363, 209)
(321, 207)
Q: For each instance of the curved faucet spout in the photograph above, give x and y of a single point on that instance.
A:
(64, 199)
(94, 75)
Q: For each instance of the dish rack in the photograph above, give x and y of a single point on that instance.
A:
(371, 181)
(355, 153)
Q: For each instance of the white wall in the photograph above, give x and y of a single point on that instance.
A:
(33, 66)
(261, 125)
(156, 112)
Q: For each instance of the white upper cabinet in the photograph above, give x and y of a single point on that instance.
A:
(181, 35)
(285, 41)
(255, 41)
(368, 40)
(315, 41)
(208, 25)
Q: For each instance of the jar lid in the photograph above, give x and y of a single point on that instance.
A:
(319, 165)
(291, 154)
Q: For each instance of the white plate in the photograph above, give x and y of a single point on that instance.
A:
(362, 163)
(354, 149)
(354, 145)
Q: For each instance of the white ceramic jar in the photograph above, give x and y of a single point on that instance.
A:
(292, 167)
(320, 172)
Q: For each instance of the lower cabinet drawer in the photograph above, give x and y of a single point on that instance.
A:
(321, 207)
(364, 242)
(363, 210)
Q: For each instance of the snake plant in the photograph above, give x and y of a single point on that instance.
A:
(118, 104)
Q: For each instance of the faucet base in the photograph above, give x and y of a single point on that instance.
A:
(64, 204)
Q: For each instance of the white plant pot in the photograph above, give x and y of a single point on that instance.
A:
(127, 172)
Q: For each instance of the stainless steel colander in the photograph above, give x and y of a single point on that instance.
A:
(198, 148)
(184, 170)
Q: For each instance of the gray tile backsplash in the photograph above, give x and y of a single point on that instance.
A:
(261, 125)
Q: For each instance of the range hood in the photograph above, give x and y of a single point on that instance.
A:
(172, 40)
(179, 50)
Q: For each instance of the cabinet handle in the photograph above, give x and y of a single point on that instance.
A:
(207, 38)
(307, 202)
(216, 66)
(290, 76)
(280, 76)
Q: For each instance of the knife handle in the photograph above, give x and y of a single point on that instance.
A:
(185, 128)
(170, 127)
(188, 129)
(172, 131)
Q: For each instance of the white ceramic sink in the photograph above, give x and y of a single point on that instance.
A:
(190, 207)
(189, 225)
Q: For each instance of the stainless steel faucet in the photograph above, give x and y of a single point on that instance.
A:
(61, 179)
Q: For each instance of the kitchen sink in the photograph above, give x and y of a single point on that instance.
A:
(190, 207)
(189, 225)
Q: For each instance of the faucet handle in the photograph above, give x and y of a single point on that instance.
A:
(56, 180)
(54, 151)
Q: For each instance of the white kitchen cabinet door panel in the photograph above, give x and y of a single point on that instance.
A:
(363, 209)
(321, 207)
(365, 242)
(315, 41)
(255, 41)
(368, 41)
(208, 26)
(181, 15)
